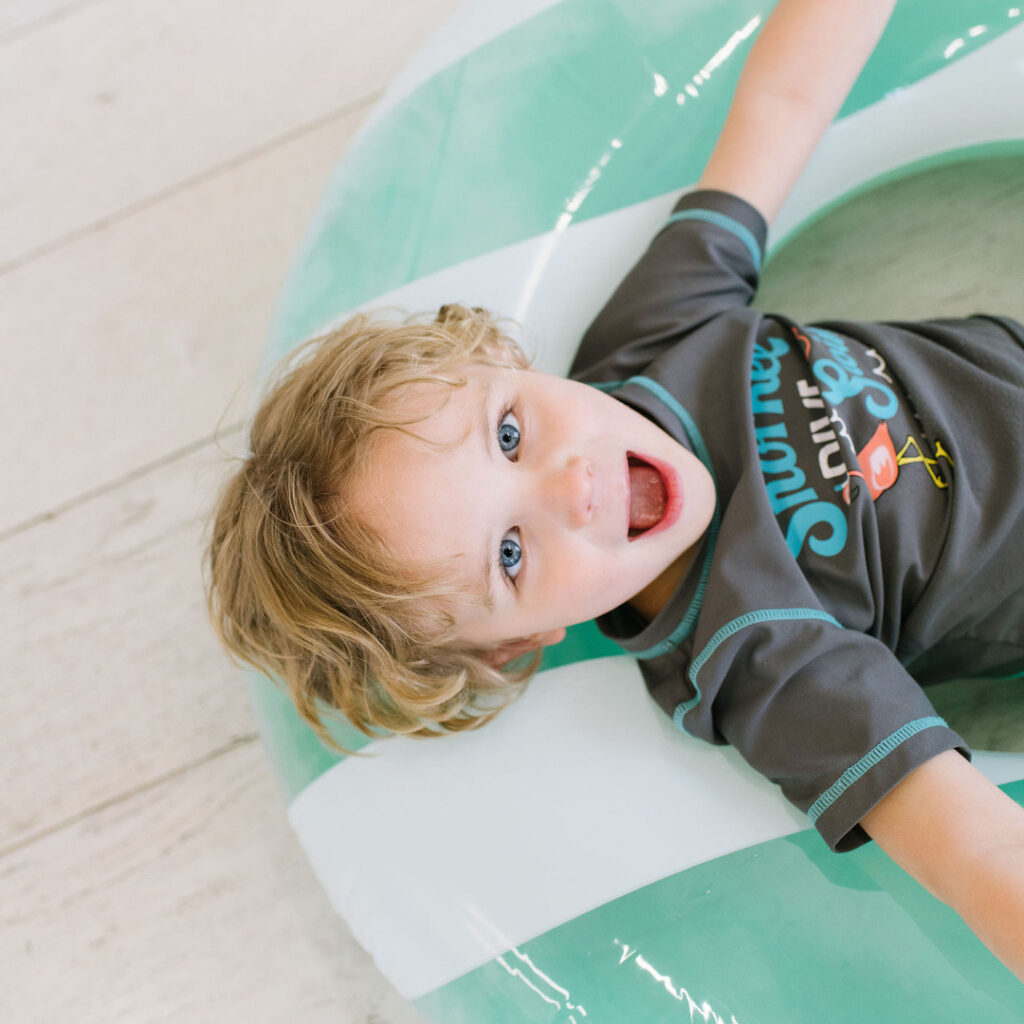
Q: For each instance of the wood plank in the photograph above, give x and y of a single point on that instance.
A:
(20, 16)
(189, 902)
(988, 713)
(115, 679)
(945, 242)
(119, 101)
(137, 340)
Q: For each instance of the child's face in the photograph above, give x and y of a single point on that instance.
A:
(529, 500)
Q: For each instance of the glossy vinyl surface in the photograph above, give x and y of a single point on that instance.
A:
(491, 225)
(579, 861)
(581, 819)
(585, 108)
(785, 931)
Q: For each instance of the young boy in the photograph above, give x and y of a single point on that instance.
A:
(791, 528)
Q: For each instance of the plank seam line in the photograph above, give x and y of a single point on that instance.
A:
(51, 17)
(103, 805)
(112, 485)
(47, 248)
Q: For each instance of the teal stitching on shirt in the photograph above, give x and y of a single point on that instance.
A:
(686, 421)
(667, 398)
(731, 628)
(689, 620)
(867, 762)
(745, 235)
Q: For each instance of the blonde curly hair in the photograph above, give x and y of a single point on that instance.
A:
(310, 595)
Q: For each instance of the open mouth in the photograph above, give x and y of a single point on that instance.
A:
(649, 495)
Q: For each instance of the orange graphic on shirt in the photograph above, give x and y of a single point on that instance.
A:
(879, 464)
(804, 340)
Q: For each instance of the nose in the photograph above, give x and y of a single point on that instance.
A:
(568, 491)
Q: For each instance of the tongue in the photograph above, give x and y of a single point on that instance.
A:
(647, 497)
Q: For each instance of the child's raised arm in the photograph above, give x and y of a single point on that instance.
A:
(945, 823)
(800, 70)
(962, 838)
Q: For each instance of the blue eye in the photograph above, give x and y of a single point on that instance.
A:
(510, 554)
(508, 434)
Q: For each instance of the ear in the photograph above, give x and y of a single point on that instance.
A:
(512, 649)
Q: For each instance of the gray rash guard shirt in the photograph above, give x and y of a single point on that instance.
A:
(868, 536)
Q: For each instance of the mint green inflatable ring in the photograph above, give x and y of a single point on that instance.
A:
(579, 861)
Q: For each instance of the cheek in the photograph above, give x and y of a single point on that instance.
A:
(582, 578)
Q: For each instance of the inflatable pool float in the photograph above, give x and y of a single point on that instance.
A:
(579, 859)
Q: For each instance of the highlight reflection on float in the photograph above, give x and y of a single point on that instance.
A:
(603, 863)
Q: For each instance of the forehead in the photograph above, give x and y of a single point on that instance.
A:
(414, 488)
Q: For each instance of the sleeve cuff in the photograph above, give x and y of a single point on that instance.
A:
(729, 212)
(838, 811)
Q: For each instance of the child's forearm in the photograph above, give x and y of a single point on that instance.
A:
(963, 839)
(991, 902)
(800, 69)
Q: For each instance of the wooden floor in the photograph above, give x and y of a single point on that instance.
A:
(160, 163)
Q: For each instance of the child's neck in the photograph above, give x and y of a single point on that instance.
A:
(656, 594)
